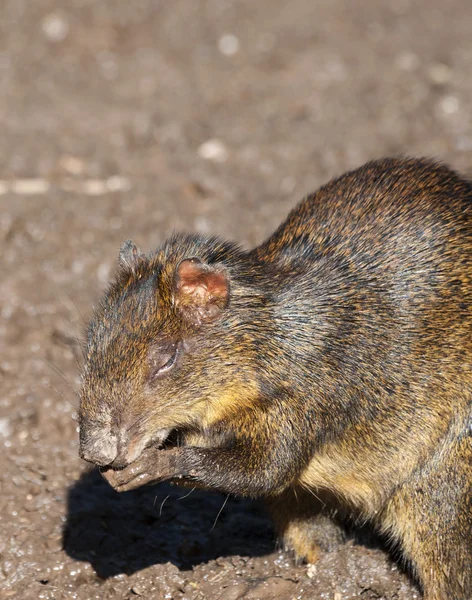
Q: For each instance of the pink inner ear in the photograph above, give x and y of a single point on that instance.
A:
(201, 284)
(189, 269)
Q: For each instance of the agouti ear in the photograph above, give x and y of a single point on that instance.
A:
(130, 256)
(202, 291)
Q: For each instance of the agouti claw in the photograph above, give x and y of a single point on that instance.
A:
(121, 484)
(152, 466)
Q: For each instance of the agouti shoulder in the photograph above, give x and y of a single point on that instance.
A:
(336, 356)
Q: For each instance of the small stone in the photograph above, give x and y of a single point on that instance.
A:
(5, 428)
(449, 105)
(55, 27)
(228, 44)
(137, 590)
(311, 571)
(213, 150)
(72, 164)
(34, 489)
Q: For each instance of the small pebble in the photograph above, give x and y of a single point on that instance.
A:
(55, 27)
(311, 571)
(72, 164)
(213, 150)
(228, 44)
(137, 590)
(5, 427)
(449, 105)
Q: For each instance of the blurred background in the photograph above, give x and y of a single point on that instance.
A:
(131, 119)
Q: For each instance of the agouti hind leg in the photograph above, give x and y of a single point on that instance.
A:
(302, 526)
(433, 517)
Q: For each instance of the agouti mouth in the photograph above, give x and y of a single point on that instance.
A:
(173, 440)
(167, 439)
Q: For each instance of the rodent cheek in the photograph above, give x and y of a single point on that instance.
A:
(130, 449)
(133, 450)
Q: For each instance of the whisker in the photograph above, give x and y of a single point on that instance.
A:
(160, 510)
(62, 396)
(81, 332)
(308, 489)
(137, 422)
(219, 512)
(67, 318)
(56, 370)
(186, 495)
(71, 342)
(78, 310)
(76, 358)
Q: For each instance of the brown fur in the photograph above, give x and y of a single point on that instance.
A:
(335, 358)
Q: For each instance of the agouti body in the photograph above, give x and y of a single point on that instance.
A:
(335, 358)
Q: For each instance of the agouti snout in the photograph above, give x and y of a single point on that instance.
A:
(336, 356)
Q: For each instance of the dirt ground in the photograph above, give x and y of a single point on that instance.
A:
(133, 119)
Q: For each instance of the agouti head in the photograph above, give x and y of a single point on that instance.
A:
(168, 348)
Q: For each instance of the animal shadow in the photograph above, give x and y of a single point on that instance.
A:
(124, 533)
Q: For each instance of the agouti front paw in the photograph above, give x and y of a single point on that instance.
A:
(152, 466)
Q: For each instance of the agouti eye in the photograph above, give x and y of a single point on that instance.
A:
(162, 360)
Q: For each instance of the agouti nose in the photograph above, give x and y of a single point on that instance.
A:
(99, 452)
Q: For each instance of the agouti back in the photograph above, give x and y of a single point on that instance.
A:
(336, 357)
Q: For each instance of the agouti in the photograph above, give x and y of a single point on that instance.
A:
(335, 358)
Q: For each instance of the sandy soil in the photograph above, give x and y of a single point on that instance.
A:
(131, 119)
